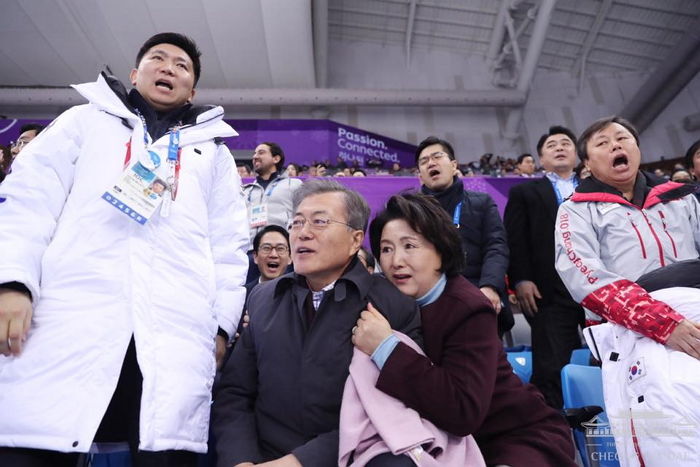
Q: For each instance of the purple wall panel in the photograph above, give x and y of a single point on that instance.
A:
(303, 141)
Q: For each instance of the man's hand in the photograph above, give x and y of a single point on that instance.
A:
(686, 338)
(372, 328)
(493, 297)
(221, 345)
(15, 319)
(527, 292)
(287, 461)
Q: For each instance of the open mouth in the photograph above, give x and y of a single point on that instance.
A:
(434, 172)
(273, 266)
(400, 278)
(620, 161)
(164, 84)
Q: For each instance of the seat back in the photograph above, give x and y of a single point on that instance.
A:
(582, 386)
(521, 363)
(581, 357)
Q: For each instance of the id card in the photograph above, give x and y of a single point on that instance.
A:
(258, 215)
(137, 193)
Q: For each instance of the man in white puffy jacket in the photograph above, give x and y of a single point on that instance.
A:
(114, 294)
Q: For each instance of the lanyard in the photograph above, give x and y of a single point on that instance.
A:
(268, 192)
(174, 161)
(560, 198)
(457, 214)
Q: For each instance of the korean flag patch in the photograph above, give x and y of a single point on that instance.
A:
(636, 370)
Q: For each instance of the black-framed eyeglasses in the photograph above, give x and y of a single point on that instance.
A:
(317, 222)
(267, 248)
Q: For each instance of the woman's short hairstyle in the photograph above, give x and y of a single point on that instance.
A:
(599, 125)
(424, 215)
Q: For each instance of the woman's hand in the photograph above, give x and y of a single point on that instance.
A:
(372, 328)
(686, 338)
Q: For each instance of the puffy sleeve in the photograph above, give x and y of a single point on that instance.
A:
(32, 198)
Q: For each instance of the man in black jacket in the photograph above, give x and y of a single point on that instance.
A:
(280, 393)
(529, 219)
(476, 216)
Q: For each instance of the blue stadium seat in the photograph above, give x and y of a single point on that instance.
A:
(584, 407)
(581, 357)
(521, 361)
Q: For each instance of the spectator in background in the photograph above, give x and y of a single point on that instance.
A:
(661, 174)
(5, 162)
(476, 216)
(26, 133)
(359, 173)
(293, 170)
(692, 160)
(243, 169)
(529, 218)
(526, 165)
(681, 176)
(582, 171)
(271, 252)
(269, 196)
(321, 170)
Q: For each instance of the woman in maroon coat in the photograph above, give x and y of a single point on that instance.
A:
(464, 384)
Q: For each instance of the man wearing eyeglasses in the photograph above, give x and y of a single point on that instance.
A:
(26, 133)
(281, 390)
(476, 216)
(271, 253)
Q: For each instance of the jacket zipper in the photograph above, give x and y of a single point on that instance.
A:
(656, 237)
(639, 236)
(673, 244)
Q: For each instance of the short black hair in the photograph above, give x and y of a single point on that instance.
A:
(598, 125)
(269, 228)
(38, 127)
(424, 215)
(688, 159)
(276, 150)
(429, 141)
(555, 130)
(178, 40)
(522, 157)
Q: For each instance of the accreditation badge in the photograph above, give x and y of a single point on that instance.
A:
(137, 193)
(258, 215)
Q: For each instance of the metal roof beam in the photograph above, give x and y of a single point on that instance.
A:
(534, 50)
(66, 97)
(320, 38)
(409, 30)
(669, 78)
(580, 65)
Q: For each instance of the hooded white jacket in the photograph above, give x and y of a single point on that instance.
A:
(651, 392)
(97, 278)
